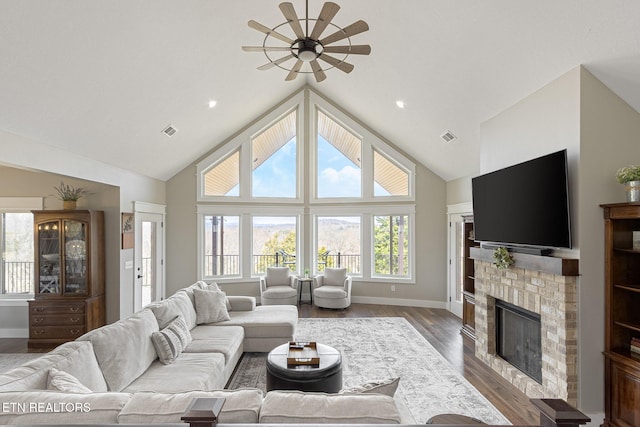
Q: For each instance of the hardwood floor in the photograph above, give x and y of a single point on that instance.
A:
(442, 330)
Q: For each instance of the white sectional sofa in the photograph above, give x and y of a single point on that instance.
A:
(114, 374)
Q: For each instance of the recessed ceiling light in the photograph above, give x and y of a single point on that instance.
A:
(400, 104)
(212, 103)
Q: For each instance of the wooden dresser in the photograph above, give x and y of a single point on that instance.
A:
(69, 276)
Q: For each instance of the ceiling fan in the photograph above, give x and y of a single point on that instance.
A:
(309, 47)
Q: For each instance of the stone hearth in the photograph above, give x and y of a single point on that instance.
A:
(553, 297)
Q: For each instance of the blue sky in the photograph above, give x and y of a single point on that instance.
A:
(338, 176)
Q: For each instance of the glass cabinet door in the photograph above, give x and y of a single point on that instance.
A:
(49, 257)
(75, 257)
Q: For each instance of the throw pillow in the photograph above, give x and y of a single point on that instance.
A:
(334, 276)
(172, 340)
(63, 381)
(387, 387)
(214, 287)
(211, 306)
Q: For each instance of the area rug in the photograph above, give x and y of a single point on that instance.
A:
(385, 347)
(9, 361)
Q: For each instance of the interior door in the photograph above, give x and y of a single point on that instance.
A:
(456, 259)
(148, 259)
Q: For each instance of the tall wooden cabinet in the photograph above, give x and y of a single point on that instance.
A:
(69, 276)
(622, 314)
(468, 280)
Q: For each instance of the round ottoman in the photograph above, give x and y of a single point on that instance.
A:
(327, 377)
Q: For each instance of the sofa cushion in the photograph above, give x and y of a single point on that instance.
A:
(334, 276)
(52, 407)
(172, 340)
(295, 407)
(387, 387)
(330, 291)
(189, 372)
(211, 306)
(216, 339)
(74, 357)
(83, 365)
(64, 381)
(266, 321)
(279, 292)
(240, 406)
(124, 349)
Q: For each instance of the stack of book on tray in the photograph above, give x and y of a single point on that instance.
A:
(635, 345)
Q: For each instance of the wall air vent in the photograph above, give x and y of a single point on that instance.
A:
(448, 136)
(170, 131)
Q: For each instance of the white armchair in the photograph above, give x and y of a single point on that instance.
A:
(278, 287)
(332, 289)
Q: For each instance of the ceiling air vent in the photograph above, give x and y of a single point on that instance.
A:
(170, 131)
(448, 136)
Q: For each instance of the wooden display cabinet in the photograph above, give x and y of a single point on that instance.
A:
(468, 279)
(69, 280)
(622, 315)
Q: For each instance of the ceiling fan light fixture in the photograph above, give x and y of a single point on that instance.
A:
(307, 50)
(308, 45)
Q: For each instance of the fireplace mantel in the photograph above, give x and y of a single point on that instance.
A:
(545, 264)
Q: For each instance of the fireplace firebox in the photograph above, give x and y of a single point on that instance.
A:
(518, 338)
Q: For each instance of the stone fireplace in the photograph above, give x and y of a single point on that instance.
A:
(545, 286)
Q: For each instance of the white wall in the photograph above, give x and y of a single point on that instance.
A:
(22, 153)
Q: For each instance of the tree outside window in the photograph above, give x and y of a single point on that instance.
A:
(274, 243)
(391, 245)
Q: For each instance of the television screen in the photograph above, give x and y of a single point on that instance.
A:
(525, 204)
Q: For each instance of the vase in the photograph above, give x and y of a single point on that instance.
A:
(69, 205)
(633, 191)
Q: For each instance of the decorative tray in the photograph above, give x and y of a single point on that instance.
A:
(303, 354)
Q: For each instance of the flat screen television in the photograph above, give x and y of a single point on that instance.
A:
(526, 205)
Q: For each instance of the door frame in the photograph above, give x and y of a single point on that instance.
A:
(454, 211)
(146, 211)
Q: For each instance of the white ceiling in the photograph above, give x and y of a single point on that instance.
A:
(102, 78)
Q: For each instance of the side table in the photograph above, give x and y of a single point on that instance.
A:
(302, 281)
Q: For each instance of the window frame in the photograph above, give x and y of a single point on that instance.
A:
(246, 214)
(243, 143)
(18, 205)
(307, 103)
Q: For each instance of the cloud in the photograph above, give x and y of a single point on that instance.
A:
(345, 182)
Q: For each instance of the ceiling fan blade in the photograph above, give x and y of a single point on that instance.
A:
(359, 49)
(263, 29)
(294, 71)
(317, 71)
(340, 65)
(289, 13)
(272, 64)
(328, 12)
(265, 48)
(353, 29)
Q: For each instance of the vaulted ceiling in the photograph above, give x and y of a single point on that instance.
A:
(103, 78)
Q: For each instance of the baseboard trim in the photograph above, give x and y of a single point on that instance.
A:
(399, 302)
(14, 333)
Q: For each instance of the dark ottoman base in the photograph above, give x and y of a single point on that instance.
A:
(325, 378)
